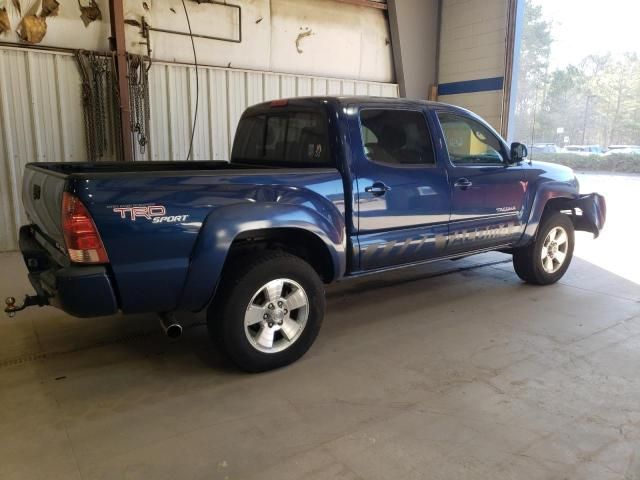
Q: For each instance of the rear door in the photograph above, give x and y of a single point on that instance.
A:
(401, 192)
(487, 193)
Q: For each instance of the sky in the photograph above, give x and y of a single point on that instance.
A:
(584, 27)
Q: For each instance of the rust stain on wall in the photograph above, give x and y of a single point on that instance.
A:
(301, 36)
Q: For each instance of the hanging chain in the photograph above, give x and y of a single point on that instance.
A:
(145, 98)
(139, 99)
(109, 105)
(99, 68)
(101, 98)
(87, 103)
(99, 92)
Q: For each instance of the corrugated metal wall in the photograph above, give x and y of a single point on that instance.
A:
(224, 95)
(41, 116)
(40, 120)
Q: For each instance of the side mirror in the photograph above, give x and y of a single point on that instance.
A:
(518, 152)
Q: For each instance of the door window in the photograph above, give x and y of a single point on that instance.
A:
(469, 142)
(396, 137)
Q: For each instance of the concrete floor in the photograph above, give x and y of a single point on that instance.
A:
(416, 374)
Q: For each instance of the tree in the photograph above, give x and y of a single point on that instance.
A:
(535, 49)
(595, 101)
(561, 107)
(622, 86)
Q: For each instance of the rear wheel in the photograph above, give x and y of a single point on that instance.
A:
(546, 260)
(268, 311)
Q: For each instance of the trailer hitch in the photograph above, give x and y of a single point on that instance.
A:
(29, 301)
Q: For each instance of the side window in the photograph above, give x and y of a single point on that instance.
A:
(469, 142)
(295, 137)
(397, 137)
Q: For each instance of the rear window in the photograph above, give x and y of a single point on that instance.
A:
(292, 137)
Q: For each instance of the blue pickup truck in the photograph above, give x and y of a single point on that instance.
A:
(317, 190)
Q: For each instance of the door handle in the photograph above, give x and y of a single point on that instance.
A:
(463, 183)
(377, 189)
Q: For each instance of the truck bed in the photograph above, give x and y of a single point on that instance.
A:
(151, 254)
(148, 167)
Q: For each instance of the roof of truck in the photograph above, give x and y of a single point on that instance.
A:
(348, 100)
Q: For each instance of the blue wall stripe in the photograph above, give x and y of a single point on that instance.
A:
(471, 86)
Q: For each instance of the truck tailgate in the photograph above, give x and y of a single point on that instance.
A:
(42, 199)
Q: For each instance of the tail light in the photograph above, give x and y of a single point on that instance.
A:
(80, 233)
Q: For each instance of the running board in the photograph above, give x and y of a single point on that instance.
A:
(363, 273)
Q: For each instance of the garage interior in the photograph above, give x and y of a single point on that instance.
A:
(454, 369)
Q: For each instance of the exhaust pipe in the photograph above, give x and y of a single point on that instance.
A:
(170, 326)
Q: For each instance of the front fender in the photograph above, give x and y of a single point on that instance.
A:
(224, 224)
(546, 191)
(588, 212)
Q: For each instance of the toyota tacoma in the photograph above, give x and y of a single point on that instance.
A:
(316, 190)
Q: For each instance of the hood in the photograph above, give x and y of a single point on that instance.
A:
(553, 171)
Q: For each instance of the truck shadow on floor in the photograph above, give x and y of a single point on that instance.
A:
(441, 292)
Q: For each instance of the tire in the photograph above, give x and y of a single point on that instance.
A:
(245, 298)
(528, 261)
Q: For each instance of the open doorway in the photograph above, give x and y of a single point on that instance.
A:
(577, 83)
(576, 102)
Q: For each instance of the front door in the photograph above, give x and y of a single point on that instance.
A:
(401, 191)
(487, 193)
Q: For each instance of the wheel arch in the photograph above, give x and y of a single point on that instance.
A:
(550, 196)
(296, 241)
(234, 228)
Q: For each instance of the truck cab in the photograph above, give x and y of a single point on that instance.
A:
(422, 180)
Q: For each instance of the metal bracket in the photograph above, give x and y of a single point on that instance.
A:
(146, 28)
(29, 301)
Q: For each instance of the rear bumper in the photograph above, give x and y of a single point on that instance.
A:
(79, 290)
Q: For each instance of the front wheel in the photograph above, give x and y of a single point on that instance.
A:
(546, 260)
(268, 311)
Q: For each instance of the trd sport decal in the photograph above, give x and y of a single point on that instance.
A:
(155, 213)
